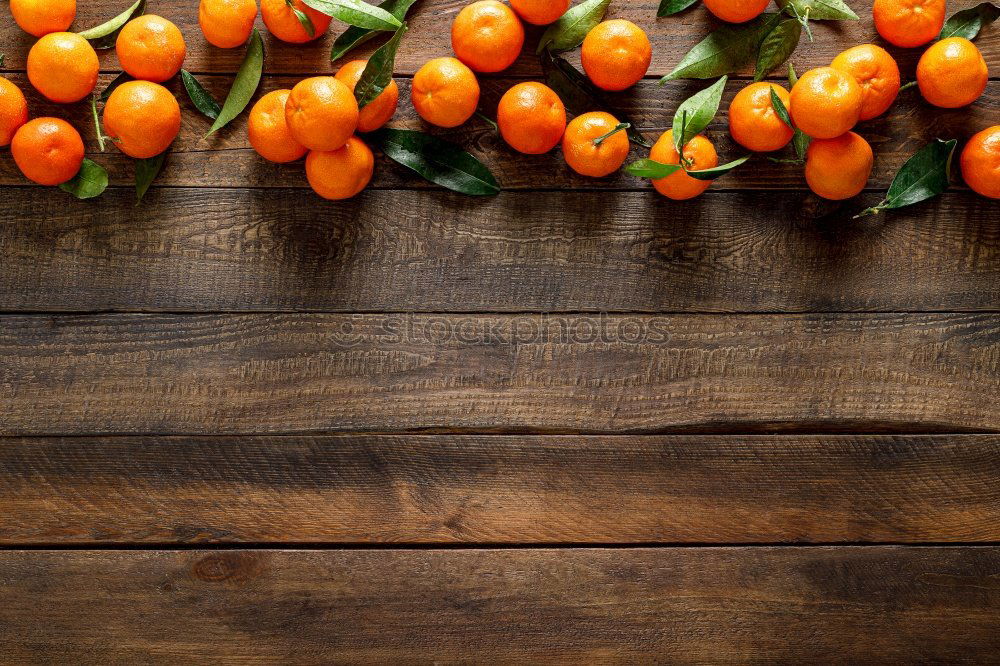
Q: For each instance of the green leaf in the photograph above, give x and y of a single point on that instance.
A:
(303, 18)
(580, 95)
(245, 84)
(777, 47)
(355, 36)
(646, 168)
(800, 141)
(779, 107)
(671, 7)
(568, 32)
(724, 50)
(821, 10)
(201, 98)
(793, 78)
(378, 72)
(923, 176)
(117, 81)
(104, 35)
(717, 172)
(89, 182)
(696, 112)
(145, 173)
(437, 160)
(968, 22)
(1, 60)
(356, 12)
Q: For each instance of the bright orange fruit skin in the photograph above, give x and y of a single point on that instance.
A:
(380, 110)
(41, 17)
(754, 123)
(838, 168)
(826, 102)
(445, 92)
(588, 159)
(487, 36)
(908, 23)
(321, 113)
(678, 185)
(63, 66)
(284, 25)
(736, 11)
(531, 117)
(952, 73)
(227, 23)
(48, 151)
(143, 117)
(616, 54)
(268, 131)
(13, 111)
(540, 12)
(151, 48)
(342, 173)
(876, 72)
(980, 162)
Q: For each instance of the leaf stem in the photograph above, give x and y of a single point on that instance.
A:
(97, 122)
(874, 210)
(493, 123)
(618, 128)
(907, 85)
(785, 160)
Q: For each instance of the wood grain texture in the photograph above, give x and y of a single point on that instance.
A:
(203, 250)
(429, 37)
(243, 374)
(500, 489)
(866, 605)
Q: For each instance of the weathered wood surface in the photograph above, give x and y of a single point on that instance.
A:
(715, 605)
(500, 489)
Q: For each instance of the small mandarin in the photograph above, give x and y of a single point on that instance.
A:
(487, 36)
(377, 112)
(41, 17)
(63, 66)
(227, 23)
(540, 12)
(143, 117)
(48, 151)
(980, 162)
(445, 92)
(150, 48)
(736, 11)
(908, 23)
(585, 156)
(616, 54)
(679, 186)
(838, 168)
(341, 173)
(13, 111)
(952, 73)
(825, 103)
(877, 74)
(754, 123)
(321, 113)
(282, 22)
(268, 131)
(531, 118)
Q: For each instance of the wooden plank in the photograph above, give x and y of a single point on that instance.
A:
(226, 159)
(429, 37)
(500, 489)
(691, 605)
(204, 250)
(246, 374)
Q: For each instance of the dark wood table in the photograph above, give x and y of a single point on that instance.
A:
(575, 422)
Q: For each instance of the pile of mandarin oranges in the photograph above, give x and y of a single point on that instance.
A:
(319, 118)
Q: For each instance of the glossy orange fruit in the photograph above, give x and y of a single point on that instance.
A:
(63, 67)
(341, 173)
(48, 151)
(826, 102)
(838, 168)
(143, 117)
(227, 23)
(284, 25)
(594, 159)
(41, 17)
(701, 154)
(952, 73)
(445, 92)
(877, 74)
(487, 36)
(531, 117)
(268, 131)
(540, 12)
(908, 23)
(754, 123)
(736, 11)
(321, 113)
(13, 110)
(151, 48)
(616, 54)
(980, 162)
(377, 112)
